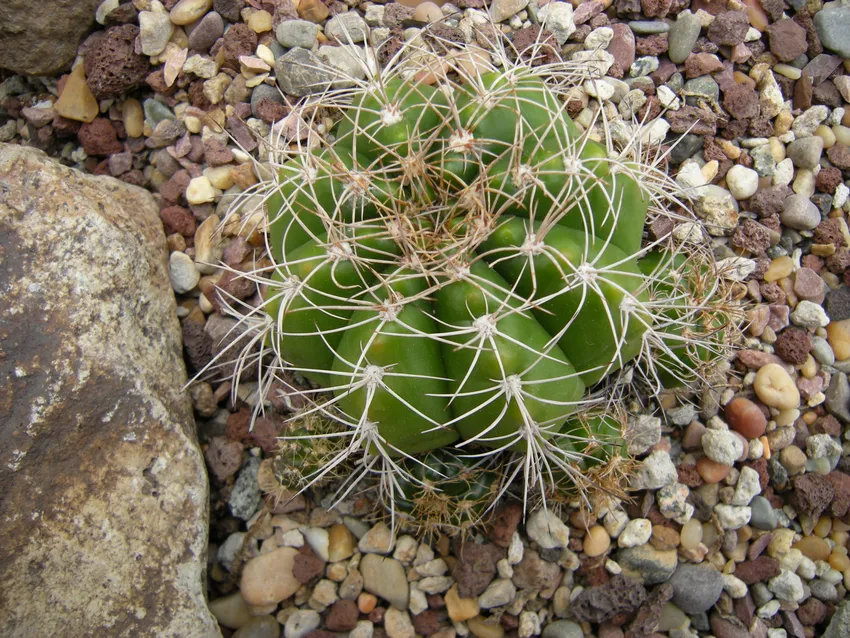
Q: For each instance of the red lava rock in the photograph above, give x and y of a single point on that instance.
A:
(648, 615)
(343, 616)
(223, 457)
(793, 345)
(622, 45)
(769, 201)
(532, 572)
(752, 237)
(787, 39)
(504, 524)
(655, 8)
(99, 138)
(238, 40)
(745, 609)
(812, 494)
(812, 612)
(619, 595)
(699, 64)
(307, 565)
(809, 286)
(757, 570)
(841, 488)
(804, 19)
(729, 28)
(741, 102)
(755, 359)
(694, 120)
(827, 180)
(177, 219)
(377, 615)
(425, 623)
(475, 567)
(232, 285)
(838, 262)
(112, 65)
(809, 387)
(826, 425)
(758, 545)
(839, 155)
(688, 475)
(745, 417)
(654, 44)
(197, 345)
(216, 152)
(229, 9)
(587, 10)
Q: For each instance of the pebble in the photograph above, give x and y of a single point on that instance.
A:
(838, 338)
(647, 563)
(267, 579)
(745, 417)
(498, 593)
(297, 33)
(596, 541)
(806, 152)
(341, 543)
(318, 540)
(562, 629)
(547, 530)
(683, 36)
(155, 30)
(201, 191)
(636, 532)
(480, 628)
(460, 609)
(722, 446)
(747, 486)
(259, 21)
(76, 101)
(800, 213)
(230, 611)
(656, 471)
(206, 32)
(182, 272)
(397, 624)
(259, 627)
(188, 11)
(809, 315)
(787, 586)
(742, 182)
(832, 24)
(378, 540)
(557, 17)
(385, 577)
(301, 623)
(732, 516)
(696, 587)
(775, 388)
(762, 517)
(347, 28)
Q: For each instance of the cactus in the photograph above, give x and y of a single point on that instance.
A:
(461, 266)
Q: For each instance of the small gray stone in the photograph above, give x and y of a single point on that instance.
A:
(787, 586)
(206, 32)
(683, 36)
(562, 629)
(806, 152)
(348, 60)
(656, 471)
(732, 516)
(837, 304)
(822, 590)
(762, 516)
(155, 31)
(301, 623)
(649, 27)
(799, 213)
(385, 577)
(832, 24)
(703, 87)
(498, 593)
(643, 66)
(300, 72)
(806, 123)
(347, 28)
(722, 446)
(696, 587)
(557, 17)
(297, 33)
(652, 566)
(821, 350)
(747, 486)
(264, 92)
(245, 497)
(839, 624)
(819, 446)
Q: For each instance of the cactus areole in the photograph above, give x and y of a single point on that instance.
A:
(458, 265)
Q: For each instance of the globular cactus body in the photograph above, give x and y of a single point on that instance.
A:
(459, 264)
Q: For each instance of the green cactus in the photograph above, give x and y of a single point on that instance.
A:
(461, 266)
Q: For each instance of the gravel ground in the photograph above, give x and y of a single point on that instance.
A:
(740, 524)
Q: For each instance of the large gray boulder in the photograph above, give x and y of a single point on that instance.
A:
(103, 492)
(40, 37)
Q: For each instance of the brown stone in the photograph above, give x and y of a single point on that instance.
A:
(475, 567)
(343, 616)
(307, 565)
(757, 570)
(104, 486)
(793, 345)
(112, 65)
(729, 28)
(812, 494)
(741, 102)
(787, 39)
(505, 523)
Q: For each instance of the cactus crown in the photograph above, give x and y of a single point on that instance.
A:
(458, 268)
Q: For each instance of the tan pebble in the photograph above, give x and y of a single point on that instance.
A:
(813, 547)
(77, 102)
(664, 538)
(691, 534)
(838, 336)
(790, 72)
(265, 54)
(133, 117)
(823, 250)
(826, 134)
(823, 526)
(777, 149)
(243, 176)
(597, 541)
(842, 135)
(786, 417)
(712, 471)
(460, 609)
(427, 12)
(779, 268)
(188, 11)
(481, 628)
(366, 602)
(839, 562)
(809, 368)
(783, 121)
(792, 459)
(709, 170)
(775, 388)
(268, 578)
(219, 177)
(200, 191)
(260, 21)
(257, 80)
(781, 542)
(341, 542)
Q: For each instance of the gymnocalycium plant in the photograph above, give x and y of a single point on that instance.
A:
(462, 274)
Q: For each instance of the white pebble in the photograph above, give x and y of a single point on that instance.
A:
(201, 191)
(743, 182)
(637, 533)
(182, 272)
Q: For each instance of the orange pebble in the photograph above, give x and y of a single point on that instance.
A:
(712, 471)
(366, 602)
